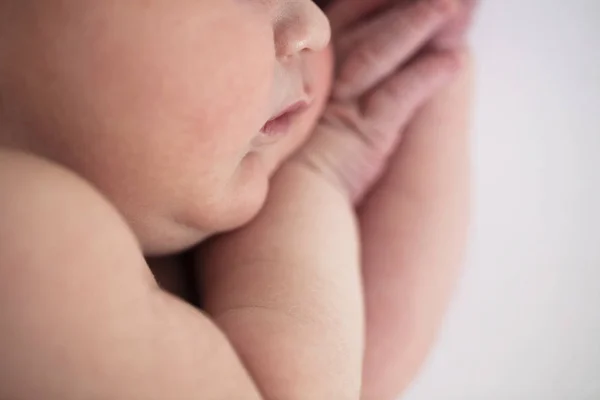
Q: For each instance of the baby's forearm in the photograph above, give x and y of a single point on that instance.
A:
(286, 290)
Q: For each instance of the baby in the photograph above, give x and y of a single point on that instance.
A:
(139, 128)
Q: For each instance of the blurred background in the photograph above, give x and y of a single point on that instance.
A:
(525, 323)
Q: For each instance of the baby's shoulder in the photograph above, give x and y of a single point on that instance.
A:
(20, 171)
(47, 209)
(29, 182)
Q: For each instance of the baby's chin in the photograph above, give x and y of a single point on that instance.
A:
(186, 222)
(242, 199)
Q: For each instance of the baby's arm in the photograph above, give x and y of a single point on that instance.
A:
(81, 316)
(286, 291)
(286, 288)
(413, 227)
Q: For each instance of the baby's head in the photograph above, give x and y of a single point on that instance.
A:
(163, 104)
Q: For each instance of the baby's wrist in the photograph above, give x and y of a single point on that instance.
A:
(302, 168)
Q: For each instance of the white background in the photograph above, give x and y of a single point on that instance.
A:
(525, 323)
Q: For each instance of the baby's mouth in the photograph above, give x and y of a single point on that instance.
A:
(282, 122)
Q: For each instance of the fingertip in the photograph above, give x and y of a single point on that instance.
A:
(446, 7)
(456, 34)
(459, 59)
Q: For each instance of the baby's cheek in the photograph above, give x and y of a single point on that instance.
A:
(319, 68)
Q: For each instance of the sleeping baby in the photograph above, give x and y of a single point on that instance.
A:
(273, 142)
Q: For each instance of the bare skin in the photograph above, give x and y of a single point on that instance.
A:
(281, 312)
(414, 221)
(418, 213)
(141, 342)
(98, 326)
(410, 254)
(141, 320)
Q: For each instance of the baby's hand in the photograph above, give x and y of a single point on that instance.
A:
(376, 91)
(286, 288)
(453, 35)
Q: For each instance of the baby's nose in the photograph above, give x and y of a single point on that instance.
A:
(301, 26)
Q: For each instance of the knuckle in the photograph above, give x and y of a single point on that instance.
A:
(393, 91)
(428, 12)
(366, 57)
(360, 60)
(396, 94)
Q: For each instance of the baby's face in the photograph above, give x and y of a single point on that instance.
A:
(162, 104)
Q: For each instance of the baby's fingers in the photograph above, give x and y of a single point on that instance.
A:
(352, 143)
(343, 13)
(453, 36)
(389, 107)
(377, 49)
